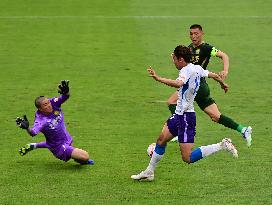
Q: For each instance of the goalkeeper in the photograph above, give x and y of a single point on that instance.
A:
(49, 120)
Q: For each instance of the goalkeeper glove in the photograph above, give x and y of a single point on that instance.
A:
(22, 122)
(64, 87)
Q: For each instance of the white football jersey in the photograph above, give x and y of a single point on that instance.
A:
(190, 75)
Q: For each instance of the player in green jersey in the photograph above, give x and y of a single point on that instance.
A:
(201, 54)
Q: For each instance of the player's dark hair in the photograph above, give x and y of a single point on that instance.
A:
(38, 101)
(194, 26)
(183, 52)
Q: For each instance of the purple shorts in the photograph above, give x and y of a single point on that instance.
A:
(63, 152)
(183, 126)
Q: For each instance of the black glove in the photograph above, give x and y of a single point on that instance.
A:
(22, 123)
(64, 87)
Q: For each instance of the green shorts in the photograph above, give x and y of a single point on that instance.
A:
(203, 98)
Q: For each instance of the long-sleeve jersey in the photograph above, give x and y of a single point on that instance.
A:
(52, 125)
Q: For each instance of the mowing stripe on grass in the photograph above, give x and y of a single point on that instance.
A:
(132, 17)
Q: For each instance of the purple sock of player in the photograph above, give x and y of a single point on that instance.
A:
(40, 145)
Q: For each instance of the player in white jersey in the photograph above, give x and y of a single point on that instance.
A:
(190, 74)
(183, 122)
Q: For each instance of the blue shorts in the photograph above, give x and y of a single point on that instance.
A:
(183, 126)
(63, 152)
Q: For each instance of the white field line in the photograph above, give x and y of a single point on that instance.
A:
(132, 17)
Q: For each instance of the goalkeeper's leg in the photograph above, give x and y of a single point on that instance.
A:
(81, 156)
(31, 146)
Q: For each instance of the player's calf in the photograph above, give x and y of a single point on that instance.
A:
(186, 159)
(81, 156)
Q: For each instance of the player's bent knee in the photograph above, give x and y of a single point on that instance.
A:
(85, 155)
(80, 154)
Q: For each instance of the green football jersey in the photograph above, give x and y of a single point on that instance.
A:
(201, 54)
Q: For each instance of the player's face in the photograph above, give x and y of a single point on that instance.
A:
(177, 62)
(46, 106)
(196, 36)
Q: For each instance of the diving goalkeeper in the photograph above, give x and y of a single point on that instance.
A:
(49, 120)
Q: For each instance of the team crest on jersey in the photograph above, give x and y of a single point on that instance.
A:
(197, 51)
(56, 112)
(54, 122)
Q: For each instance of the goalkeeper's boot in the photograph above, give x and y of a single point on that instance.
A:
(25, 149)
(144, 176)
(226, 144)
(91, 162)
(247, 135)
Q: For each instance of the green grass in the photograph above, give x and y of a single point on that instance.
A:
(104, 48)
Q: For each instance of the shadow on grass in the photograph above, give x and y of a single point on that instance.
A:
(52, 165)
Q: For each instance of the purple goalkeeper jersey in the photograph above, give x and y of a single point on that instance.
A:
(52, 125)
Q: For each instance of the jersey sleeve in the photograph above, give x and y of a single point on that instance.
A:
(211, 50)
(37, 127)
(184, 75)
(202, 72)
(59, 100)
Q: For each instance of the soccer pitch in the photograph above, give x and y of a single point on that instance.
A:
(115, 111)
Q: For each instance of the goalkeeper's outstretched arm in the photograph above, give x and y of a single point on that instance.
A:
(24, 124)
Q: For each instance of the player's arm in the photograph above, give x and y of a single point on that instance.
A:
(218, 78)
(24, 124)
(225, 59)
(169, 82)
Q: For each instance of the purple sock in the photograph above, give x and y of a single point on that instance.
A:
(41, 145)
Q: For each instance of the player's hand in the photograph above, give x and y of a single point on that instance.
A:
(152, 73)
(64, 87)
(225, 87)
(22, 122)
(223, 74)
